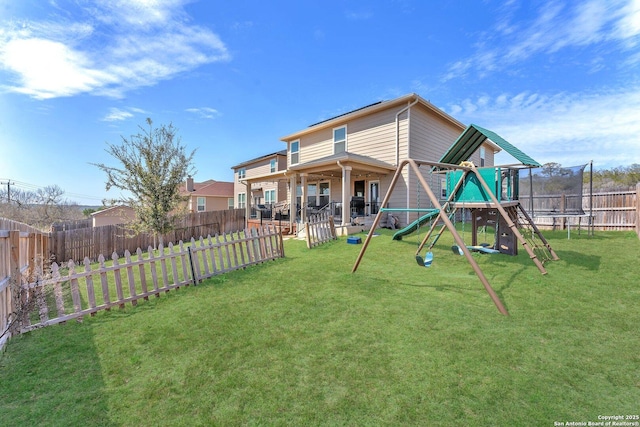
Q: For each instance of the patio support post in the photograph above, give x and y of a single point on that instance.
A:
(247, 203)
(303, 201)
(293, 210)
(346, 195)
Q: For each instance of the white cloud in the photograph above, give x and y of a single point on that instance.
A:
(204, 112)
(117, 114)
(554, 28)
(563, 128)
(359, 15)
(149, 41)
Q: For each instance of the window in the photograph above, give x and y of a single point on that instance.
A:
(242, 173)
(269, 196)
(323, 197)
(340, 140)
(242, 200)
(230, 202)
(273, 165)
(318, 195)
(294, 150)
(482, 156)
(201, 204)
(311, 194)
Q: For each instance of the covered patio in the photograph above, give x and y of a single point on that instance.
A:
(347, 185)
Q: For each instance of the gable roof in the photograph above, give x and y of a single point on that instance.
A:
(257, 159)
(344, 114)
(211, 188)
(370, 109)
(472, 138)
(113, 211)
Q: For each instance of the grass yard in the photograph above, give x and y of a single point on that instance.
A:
(303, 341)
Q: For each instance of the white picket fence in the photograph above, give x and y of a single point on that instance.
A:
(74, 291)
(320, 229)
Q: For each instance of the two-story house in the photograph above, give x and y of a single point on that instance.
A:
(259, 183)
(345, 164)
(210, 195)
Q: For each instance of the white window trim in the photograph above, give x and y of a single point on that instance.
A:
(242, 173)
(334, 138)
(244, 201)
(271, 192)
(273, 165)
(204, 204)
(294, 152)
(317, 191)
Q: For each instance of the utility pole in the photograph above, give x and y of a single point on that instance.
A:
(9, 184)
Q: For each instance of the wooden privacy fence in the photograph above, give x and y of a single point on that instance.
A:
(89, 242)
(74, 291)
(612, 210)
(320, 229)
(22, 253)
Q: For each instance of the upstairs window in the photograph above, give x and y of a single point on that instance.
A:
(482, 156)
(242, 173)
(273, 165)
(294, 151)
(201, 204)
(340, 140)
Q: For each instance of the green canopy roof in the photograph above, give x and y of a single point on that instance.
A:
(470, 140)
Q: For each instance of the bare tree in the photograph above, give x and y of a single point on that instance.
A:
(152, 166)
(39, 208)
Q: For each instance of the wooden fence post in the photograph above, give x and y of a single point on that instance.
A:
(638, 209)
(15, 281)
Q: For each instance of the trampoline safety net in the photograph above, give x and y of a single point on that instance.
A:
(552, 189)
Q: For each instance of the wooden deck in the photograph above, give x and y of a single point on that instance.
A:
(283, 226)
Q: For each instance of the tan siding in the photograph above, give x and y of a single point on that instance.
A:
(260, 168)
(113, 217)
(281, 191)
(282, 163)
(316, 145)
(211, 203)
(431, 136)
(374, 136)
(238, 188)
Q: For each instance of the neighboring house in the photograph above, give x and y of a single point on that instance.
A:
(345, 164)
(267, 186)
(120, 214)
(209, 195)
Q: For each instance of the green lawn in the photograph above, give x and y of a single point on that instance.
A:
(303, 341)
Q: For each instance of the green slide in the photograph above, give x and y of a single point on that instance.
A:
(414, 225)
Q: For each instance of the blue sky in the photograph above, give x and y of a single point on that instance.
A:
(559, 79)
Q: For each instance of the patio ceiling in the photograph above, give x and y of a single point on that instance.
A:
(332, 166)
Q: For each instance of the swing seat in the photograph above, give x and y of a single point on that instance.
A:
(426, 261)
(483, 249)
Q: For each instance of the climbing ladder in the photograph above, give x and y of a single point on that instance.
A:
(530, 232)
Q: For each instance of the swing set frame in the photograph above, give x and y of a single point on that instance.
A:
(444, 211)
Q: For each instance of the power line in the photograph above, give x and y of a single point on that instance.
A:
(9, 184)
(34, 187)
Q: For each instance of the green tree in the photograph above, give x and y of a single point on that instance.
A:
(152, 166)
